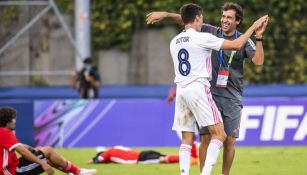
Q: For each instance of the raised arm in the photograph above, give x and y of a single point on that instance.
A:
(239, 42)
(258, 58)
(155, 17)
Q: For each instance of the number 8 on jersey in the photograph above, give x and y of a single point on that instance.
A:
(184, 64)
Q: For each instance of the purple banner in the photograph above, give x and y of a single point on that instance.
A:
(148, 122)
(279, 121)
(81, 123)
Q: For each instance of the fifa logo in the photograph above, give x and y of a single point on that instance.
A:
(274, 123)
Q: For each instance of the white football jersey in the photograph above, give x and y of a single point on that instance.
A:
(191, 53)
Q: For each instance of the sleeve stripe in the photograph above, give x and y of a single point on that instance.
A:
(14, 146)
(252, 44)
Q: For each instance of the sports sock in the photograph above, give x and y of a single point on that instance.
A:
(184, 159)
(194, 151)
(70, 168)
(172, 159)
(212, 155)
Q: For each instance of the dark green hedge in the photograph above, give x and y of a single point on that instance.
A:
(114, 21)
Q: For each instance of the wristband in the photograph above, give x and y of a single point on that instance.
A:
(259, 39)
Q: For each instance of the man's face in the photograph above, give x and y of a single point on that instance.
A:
(228, 21)
(11, 125)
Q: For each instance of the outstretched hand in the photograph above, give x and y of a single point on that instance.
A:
(155, 17)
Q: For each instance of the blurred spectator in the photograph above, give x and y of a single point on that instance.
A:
(87, 80)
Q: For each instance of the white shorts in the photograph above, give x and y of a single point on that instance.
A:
(194, 105)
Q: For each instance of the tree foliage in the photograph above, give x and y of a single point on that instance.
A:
(115, 21)
(285, 42)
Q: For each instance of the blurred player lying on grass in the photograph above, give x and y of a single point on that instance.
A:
(125, 155)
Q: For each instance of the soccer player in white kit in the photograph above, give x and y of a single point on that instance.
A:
(191, 54)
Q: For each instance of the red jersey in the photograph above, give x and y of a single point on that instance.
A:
(8, 158)
(120, 155)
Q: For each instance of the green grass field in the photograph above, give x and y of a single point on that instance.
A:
(248, 161)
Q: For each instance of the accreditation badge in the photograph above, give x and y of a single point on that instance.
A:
(222, 77)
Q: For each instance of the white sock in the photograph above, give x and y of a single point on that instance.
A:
(212, 155)
(184, 159)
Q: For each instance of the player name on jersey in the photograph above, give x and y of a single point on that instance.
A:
(182, 39)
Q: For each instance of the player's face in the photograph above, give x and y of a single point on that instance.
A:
(228, 21)
(11, 125)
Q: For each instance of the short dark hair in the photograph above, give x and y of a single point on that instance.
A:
(7, 114)
(236, 7)
(189, 12)
(87, 60)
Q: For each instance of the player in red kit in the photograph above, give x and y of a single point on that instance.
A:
(8, 159)
(125, 155)
(34, 160)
